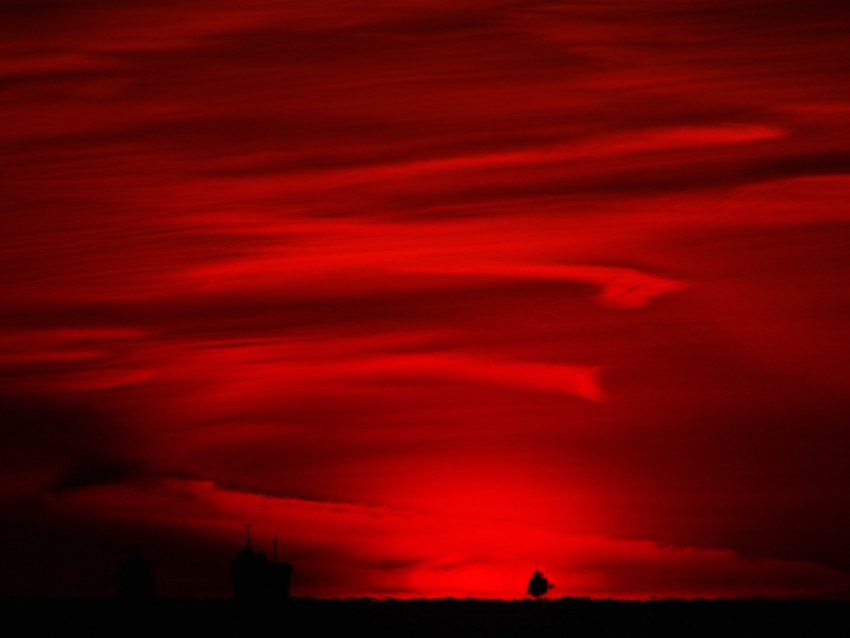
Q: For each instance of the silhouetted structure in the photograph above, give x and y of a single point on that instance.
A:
(538, 584)
(135, 578)
(255, 577)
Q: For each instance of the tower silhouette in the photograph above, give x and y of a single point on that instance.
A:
(255, 577)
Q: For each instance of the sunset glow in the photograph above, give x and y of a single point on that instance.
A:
(434, 290)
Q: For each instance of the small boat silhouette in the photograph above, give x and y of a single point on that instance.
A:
(538, 584)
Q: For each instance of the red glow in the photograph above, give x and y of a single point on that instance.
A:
(433, 291)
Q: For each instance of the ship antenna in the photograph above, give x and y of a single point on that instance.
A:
(274, 542)
(247, 534)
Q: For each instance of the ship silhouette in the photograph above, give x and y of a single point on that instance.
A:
(538, 584)
(255, 577)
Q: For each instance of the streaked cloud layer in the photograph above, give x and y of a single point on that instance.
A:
(433, 291)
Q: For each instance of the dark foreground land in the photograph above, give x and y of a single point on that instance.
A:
(445, 618)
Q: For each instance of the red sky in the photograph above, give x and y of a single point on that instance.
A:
(432, 289)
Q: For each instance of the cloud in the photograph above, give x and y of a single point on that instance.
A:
(443, 556)
(581, 264)
(621, 287)
(570, 379)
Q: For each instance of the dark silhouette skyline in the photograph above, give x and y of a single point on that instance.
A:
(261, 601)
(256, 577)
